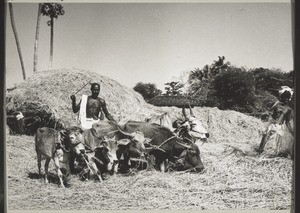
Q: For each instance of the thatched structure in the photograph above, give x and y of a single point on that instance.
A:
(175, 100)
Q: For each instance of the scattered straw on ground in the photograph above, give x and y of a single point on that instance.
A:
(231, 181)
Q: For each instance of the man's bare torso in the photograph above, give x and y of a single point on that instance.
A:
(93, 107)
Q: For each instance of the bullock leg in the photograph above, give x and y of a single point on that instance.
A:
(71, 164)
(116, 166)
(151, 162)
(264, 140)
(59, 173)
(162, 167)
(47, 161)
(96, 171)
(68, 169)
(39, 161)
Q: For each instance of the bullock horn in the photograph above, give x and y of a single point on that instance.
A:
(123, 132)
(191, 111)
(148, 140)
(183, 112)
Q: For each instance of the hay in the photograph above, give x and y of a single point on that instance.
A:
(230, 181)
(50, 91)
(235, 177)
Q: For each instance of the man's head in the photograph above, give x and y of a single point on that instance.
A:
(285, 94)
(285, 97)
(95, 89)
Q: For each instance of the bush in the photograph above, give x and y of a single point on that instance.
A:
(147, 90)
(234, 89)
(272, 80)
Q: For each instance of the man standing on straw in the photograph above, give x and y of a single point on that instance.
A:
(91, 108)
(277, 114)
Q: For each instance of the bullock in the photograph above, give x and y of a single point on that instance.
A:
(196, 130)
(119, 144)
(98, 160)
(20, 124)
(56, 145)
(164, 145)
(95, 161)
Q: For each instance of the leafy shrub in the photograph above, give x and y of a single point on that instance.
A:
(234, 89)
(272, 80)
(147, 90)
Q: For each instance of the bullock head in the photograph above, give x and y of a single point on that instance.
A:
(103, 160)
(72, 139)
(189, 158)
(106, 152)
(129, 148)
(192, 128)
(136, 140)
(75, 135)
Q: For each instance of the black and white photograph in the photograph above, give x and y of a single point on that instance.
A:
(180, 106)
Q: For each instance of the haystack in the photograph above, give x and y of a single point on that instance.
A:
(48, 92)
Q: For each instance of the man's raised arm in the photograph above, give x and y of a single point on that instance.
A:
(75, 107)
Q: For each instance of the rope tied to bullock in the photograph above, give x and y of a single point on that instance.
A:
(159, 146)
(88, 164)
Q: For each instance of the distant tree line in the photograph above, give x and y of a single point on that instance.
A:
(229, 87)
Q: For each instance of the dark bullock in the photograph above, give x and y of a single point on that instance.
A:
(20, 124)
(164, 145)
(94, 155)
(122, 145)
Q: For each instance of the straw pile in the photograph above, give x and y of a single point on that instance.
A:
(49, 92)
(235, 176)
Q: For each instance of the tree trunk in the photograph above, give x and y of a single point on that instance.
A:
(51, 43)
(16, 38)
(36, 43)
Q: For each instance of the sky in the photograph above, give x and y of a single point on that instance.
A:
(152, 42)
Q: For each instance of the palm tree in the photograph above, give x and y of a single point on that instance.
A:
(12, 19)
(36, 43)
(52, 10)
